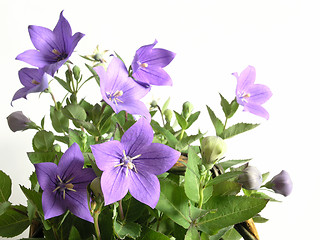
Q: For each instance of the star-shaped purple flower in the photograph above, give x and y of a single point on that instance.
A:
(65, 186)
(251, 95)
(148, 63)
(132, 165)
(120, 91)
(33, 80)
(53, 48)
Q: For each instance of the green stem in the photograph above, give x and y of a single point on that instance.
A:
(181, 134)
(225, 124)
(201, 197)
(161, 114)
(121, 210)
(53, 98)
(96, 224)
(73, 87)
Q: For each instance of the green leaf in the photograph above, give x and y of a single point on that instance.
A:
(149, 234)
(230, 210)
(39, 157)
(181, 120)
(43, 141)
(174, 203)
(225, 106)
(14, 221)
(233, 107)
(237, 129)
(192, 234)
(165, 105)
(59, 122)
(193, 117)
(231, 234)
(74, 234)
(185, 142)
(74, 111)
(4, 206)
(226, 188)
(127, 229)
(34, 197)
(172, 141)
(93, 73)
(218, 125)
(64, 84)
(192, 177)
(259, 219)
(227, 164)
(224, 177)
(5, 187)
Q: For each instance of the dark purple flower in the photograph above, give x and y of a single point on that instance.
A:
(148, 63)
(65, 186)
(17, 121)
(120, 91)
(132, 165)
(281, 183)
(251, 95)
(53, 48)
(33, 80)
(251, 178)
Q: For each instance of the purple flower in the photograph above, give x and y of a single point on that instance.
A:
(33, 80)
(148, 63)
(65, 186)
(17, 121)
(132, 165)
(251, 95)
(53, 47)
(120, 91)
(281, 183)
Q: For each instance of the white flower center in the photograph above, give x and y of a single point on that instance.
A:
(115, 97)
(127, 162)
(244, 96)
(63, 186)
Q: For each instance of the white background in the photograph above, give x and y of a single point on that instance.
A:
(212, 39)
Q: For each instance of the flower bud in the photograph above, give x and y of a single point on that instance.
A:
(57, 147)
(96, 187)
(154, 104)
(17, 121)
(281, 183)
(212, 148)
(250, 178)
(187, 109)
(168, 115)
(76, 72)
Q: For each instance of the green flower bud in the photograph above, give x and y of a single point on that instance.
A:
(187, 109)
(76, 72)
(168, 115)
(95, 186)
(154, 104)
(57, 147)
(212, 148)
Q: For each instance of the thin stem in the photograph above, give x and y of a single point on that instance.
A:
(96, 224)
(225, 124)
(201, 197)
(181, 134)
(73, 87)
(53, 98)
(161, 114)
(121, 210)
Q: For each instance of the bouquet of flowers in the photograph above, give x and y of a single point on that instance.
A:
(125, 174)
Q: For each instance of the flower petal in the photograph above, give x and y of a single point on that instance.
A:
(256, 109)
(153, 75)
(114, 184)
(160, 57)
(107, 154)
(144, 187)
(21, 93)
(34, 58)
(43, 39)
(259, 94)
(156, 158)
(63, 34)
(77, 203)
(52, 204)
(246, 78)
(134, 107)
(136, 137)
(46, 173)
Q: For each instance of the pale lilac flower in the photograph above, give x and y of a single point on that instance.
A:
(34, 80)
(17, 121)
(281, 183)
(120, 91)
(132, 165)
(251, 178)
(65, 186)
(53, 48)
(148, 63)
(251, 95)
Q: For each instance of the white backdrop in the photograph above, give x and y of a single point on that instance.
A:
(212, 39)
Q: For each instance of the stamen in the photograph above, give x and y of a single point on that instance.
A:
(56, 52)
(56, 189)
(59, 178)
(70, 180)
(136, 157)
(118, 165)
(35, 82)
(124, 154)
(144, 65)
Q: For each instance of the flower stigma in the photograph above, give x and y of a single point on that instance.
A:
(127, 161)
(244, 96)
(63, 186)
(35, 82)
(144, 65)
(60, 56)
(114, 97)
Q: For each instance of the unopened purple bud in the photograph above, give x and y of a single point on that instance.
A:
(281, 183)
(251, 178)
(17, 121)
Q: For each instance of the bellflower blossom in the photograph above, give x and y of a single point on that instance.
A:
(281, 183)
(17, 121)
(251, 95)
(65, 186)
(53, 48)
(132, 165)
(33, 80)
(120, 91)
(148, 63)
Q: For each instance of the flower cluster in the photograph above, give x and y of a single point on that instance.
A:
(124, 176)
